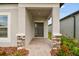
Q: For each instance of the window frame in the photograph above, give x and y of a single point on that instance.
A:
(7, 39)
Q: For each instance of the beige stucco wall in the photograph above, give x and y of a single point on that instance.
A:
(55, 21)
(29, 28)
(46, 29)
(26, 25)
(39, 5)
(12, 8)
(21, 20)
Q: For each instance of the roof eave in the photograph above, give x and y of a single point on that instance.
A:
(61, 4)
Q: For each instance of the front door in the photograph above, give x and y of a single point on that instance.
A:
(39, 29)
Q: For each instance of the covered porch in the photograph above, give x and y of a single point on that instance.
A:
(33, 22)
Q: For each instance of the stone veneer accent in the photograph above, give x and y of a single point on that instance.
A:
(56, 41)
(20, 41)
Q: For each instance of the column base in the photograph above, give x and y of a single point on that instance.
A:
(20, 40)
(56, 41)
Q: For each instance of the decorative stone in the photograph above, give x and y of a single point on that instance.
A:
(56, 41)
(20, 40)
(20, 48)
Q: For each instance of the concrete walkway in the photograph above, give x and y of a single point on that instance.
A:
(39, 47)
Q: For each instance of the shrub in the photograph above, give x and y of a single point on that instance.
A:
(50, 35)
(4, 51)
(12, 51)
(64, 51)
(54, 52)
(69, 47)
(21, 52)
(76, 51)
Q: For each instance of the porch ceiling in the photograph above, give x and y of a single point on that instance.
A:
(39, 13)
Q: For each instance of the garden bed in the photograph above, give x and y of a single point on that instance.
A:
(69, 47)
(13, 51)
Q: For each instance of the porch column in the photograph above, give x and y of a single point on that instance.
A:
(55, 27)
(21, 27)
(21, 19)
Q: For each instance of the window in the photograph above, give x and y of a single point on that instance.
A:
(4, 27)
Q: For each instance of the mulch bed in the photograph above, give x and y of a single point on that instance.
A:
(12, 51)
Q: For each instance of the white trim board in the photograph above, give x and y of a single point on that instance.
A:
(8, 39)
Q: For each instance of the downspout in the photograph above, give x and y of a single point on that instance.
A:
(74, 27)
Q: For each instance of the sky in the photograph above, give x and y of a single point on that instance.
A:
(67, 9)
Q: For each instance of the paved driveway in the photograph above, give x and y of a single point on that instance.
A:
(39, 47)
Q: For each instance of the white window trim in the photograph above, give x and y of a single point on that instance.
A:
(7, 39)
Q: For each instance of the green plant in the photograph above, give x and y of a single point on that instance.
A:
(50, 35)
(17, 54)
(64, 51)
(21, 52)
(69, 47)
(75, 51)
